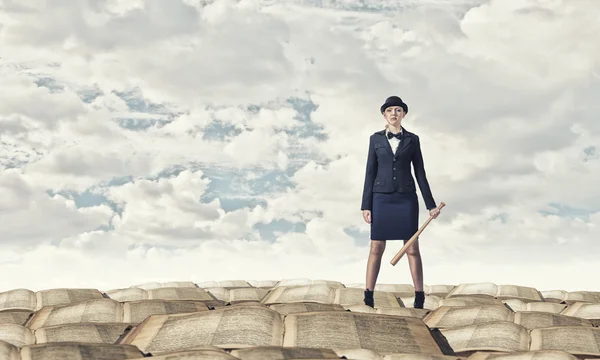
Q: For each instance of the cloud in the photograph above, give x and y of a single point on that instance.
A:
(173, 138)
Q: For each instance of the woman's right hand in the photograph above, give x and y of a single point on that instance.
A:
(367, 216)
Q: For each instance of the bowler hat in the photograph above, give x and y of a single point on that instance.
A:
(394, 101)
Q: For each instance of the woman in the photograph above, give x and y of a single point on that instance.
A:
(389, 201)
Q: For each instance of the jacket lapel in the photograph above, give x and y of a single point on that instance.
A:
(404, 143)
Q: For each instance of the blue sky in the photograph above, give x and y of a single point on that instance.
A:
(228, 139)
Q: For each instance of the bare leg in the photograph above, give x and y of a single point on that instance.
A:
(374, 263)
(415, 264)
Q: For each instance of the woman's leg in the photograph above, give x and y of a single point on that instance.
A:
(374, 263)
(373, 266)
(416, 270)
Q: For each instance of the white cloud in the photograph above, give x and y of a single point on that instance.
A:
(503, 97)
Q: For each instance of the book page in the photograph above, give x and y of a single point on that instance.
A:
(483, 289)
(97, 311)
(582, 296)
(79, 351)
(582, 310)
(279, 352)
(58, 297)
(468, 300)
(431, 302)
(524, 293)
(535, 319)
(449, 316)
(9, 351)
(246, 294)
(184, 293)
(323, 294)
(495, 336)
(137, 311)
(228, 327)
(18, 299)
(362, 354)
(18, 317)
(580, 340)
(206, 354)
(354, 296)
(420, 357)
(523, 355)
(107, 333)
(544, 306)
(17, 335)
(398, 290)
(554, 296)
(128, 294)
(418, 313)
(220, 293)
(347, 330)
(299, 307)
(439, 290)
(263, 284)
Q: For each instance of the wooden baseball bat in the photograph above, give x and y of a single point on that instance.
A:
(402, 251)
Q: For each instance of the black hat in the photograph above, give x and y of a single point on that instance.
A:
(394, 101)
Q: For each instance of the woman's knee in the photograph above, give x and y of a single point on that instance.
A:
(377, 247)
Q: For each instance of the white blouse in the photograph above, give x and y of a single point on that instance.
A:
(394, 142)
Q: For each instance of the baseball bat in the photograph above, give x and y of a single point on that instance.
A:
(402, 251)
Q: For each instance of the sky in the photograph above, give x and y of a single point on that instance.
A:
(207, 140)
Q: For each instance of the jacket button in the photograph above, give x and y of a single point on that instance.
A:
(394, 178)
(394, 168)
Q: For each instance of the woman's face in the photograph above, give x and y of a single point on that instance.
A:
(393, 115)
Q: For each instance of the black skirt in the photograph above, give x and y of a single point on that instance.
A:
(395, 216)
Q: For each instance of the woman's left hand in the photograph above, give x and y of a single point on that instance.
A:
(434, 212)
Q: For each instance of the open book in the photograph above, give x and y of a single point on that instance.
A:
(68, 351)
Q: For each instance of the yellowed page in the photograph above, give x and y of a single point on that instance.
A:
(96, 311)
(582, 296)
(577, 340)
(398, 290)
(544, 306)
(354, 353)
(554, 296)
(420, 357)
(354, 296)
(180, 293)
(582, 310)
(536, 319)
(279, 352)
(440, 290)
(523, 355)
(79, 351)
(136, 311)
(495, 336)
(107, 333)
(323, 294)
(246, 294)
(347, 330)
(228, 327)
(220, 293)
(65, 296)
(18, 299)
(206, 354)
(17, 335)
(483, 289)
(9, 351)
(128, 294)
(299, 307)
(403, 311)
(18, 317)
(468, 300)
(449, 316)
(524, 293)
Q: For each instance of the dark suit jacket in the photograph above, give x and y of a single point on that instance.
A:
(388, 172)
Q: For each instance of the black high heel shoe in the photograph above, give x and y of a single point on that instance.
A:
(419, 299)
(369, 301)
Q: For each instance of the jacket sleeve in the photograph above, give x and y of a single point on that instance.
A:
(370, 174)
(421, 176)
